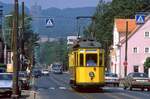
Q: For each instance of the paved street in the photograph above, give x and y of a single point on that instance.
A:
(56, 86)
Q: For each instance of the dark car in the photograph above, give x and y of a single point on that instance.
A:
(111, 79)
(24, 79)
(36, 73)
(136, 80)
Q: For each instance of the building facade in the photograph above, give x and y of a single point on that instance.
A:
(138, 48)
(119, 33)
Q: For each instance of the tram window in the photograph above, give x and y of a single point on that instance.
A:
(100, 59)
(75, 59)
(91, 59)
(81, 59)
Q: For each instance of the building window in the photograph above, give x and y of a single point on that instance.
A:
(135, 50)
(136, 68)
(146, 50)
(147, 34)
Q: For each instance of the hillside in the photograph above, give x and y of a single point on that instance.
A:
(64, 19)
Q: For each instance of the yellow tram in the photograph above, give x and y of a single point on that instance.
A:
(84, 74)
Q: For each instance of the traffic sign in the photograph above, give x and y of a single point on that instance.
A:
(49, 22)
(125, 63)
(140, 18)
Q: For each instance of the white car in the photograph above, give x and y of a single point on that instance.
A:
(111, 79)
(45, 72)
(6, 83)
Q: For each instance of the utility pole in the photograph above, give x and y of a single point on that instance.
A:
(22, 38)
(15, 94)
(78, 25)
(1, 15)
(126, 50)
(1, 35)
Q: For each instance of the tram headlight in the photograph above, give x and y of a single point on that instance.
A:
(91, 74)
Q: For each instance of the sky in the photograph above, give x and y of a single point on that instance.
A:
(57, 3)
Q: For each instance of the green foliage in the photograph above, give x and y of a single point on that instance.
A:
(147, 62)
(106, 12)
(30, 38)
(51, 52)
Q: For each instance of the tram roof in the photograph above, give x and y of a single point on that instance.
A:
(87, 44)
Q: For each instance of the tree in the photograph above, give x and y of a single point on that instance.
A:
(29, 37)
(56, 51)
(105, 14)
(147, 62)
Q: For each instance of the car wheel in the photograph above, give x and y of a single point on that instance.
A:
(130, 88)
(148, 89)
(124, 87)
(117, 85)
(142, 89)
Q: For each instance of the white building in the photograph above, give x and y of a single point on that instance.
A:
(71, 40)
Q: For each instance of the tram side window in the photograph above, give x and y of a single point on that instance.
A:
(100, 59)
(81, 60)
(91, 59)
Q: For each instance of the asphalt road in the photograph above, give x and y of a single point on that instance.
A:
(56, 86)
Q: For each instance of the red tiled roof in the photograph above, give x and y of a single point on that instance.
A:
(121, 25)
(136, 29)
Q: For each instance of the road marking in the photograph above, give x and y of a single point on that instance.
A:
(40, 89)
(107, 88)
(51, 88)
(63, 88)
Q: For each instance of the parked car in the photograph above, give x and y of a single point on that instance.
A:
(2, 70)
(45, 72)
(24, 79)
(111, 79)
(136, 80)
(36, 73)
(6, 84)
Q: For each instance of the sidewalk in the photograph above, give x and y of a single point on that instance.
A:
(28, 94)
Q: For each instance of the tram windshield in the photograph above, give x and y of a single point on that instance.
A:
(91, 59)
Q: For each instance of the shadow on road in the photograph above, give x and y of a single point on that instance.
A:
(9, 97)
(89, 90)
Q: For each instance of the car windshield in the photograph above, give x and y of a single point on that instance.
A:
(111, 75)
(139, 75)
(57, 66)
(22, 75)
(6, 77)
(45, 70)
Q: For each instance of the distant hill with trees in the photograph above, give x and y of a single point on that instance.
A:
(64, 21)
